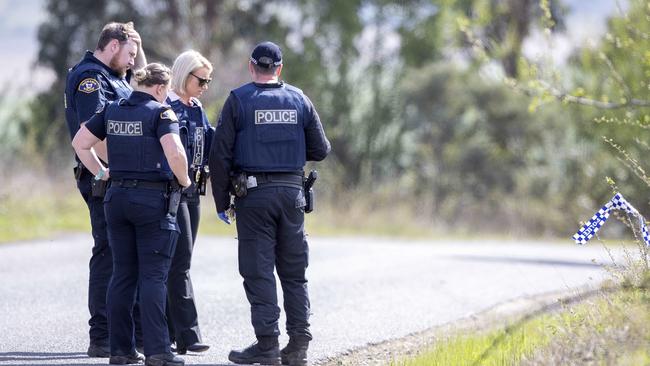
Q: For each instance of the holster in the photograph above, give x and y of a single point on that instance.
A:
(309, 200)
(78, 169)
(175, 192)
(308, 187)
(98, 187)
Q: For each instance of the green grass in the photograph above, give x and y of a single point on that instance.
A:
(610, 329)
(499, 347)
(43, 213)
(54, 208)
(42, 216)
(328, 221)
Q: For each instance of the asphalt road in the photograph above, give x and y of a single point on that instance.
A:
(362, 290)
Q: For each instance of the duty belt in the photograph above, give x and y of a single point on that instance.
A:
(276, 178)
(136, 183)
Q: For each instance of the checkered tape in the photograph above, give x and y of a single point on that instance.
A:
(596, 222)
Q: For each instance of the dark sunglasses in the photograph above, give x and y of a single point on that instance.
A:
(202, 82)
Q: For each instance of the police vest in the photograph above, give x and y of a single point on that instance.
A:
(113, 89)
(194, 130)
(134, 149)
(270, 136)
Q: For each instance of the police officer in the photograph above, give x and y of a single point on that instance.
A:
(266, 132)
(190, 78)
(100, 77)
(145, 154)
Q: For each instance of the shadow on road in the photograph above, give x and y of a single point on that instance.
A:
(45, 358)
(51, 358)
(550, 262)
(40, 356)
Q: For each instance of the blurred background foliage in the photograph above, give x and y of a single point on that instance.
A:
(436, 118)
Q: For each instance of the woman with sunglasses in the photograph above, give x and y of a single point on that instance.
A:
(190, 78)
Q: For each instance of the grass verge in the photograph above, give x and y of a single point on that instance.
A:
(31, 211)
(41, 215)
(612, 328)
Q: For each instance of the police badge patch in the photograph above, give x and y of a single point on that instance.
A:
(169, 114)
(89, 85)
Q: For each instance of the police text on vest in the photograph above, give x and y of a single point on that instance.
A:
(124, 128)
(264, 116)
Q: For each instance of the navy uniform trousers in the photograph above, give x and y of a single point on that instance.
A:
(270, 227)
(101, 268)
(182, 315)
(101, 263)
(143, 240)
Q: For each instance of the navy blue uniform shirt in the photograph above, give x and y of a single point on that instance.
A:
(90, 85)
(221, 161)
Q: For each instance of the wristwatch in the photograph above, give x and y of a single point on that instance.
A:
(100, 175)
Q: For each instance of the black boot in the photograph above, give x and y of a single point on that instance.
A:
(164, 359)
(295, 353)
(95, 350)
(196, 347)
(131, 359)
(266, 351)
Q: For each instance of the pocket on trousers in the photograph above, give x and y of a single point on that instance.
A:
(295, 196)
(300, 201)
(249, 258)
(167, 247)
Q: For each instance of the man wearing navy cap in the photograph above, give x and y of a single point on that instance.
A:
(266, 132)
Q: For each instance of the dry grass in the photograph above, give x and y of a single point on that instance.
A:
(36, 205)
(611, 328)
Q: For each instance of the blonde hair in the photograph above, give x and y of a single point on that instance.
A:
(186, 63)
(152, 74)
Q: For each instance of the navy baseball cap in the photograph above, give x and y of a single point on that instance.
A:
(267, 54)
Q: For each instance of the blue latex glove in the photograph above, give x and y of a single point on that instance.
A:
(223, 217)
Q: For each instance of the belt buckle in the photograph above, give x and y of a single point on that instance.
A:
(251, 181)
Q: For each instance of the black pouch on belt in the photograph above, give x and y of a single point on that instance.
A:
(238, 182)
(78, 169)
(98, 187)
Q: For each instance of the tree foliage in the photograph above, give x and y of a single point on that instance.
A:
(609, 80)
(402, 100)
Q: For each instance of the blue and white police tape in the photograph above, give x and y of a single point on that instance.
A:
(616, 203)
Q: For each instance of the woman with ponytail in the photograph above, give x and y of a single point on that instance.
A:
(146, 159)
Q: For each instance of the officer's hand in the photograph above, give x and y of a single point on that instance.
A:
(186, 182)
(223, 217)
(107, 174)
(135, 36)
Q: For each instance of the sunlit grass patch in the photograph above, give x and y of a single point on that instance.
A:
(500, 347)
(610, 329)
(42, 215)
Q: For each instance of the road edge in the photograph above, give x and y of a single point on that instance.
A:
(498, 315)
